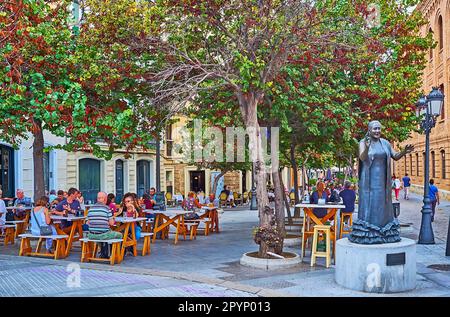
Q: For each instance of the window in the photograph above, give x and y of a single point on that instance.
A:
(89, 179)
(430, 31)
(410, 165)
(441, 33)
(7, 171)
(443, 171)
(169, 141)
(406, 168)
(417, 164)
(47, 173)
(433, 165)
(441, 87)
(119, 181)
(423, 163)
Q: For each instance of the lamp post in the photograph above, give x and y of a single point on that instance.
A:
(429, 108)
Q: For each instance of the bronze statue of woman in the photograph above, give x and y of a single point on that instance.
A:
(376, 223)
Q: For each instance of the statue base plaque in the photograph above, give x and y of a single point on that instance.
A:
(376, 268)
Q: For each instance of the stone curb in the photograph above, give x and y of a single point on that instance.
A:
(263, 292)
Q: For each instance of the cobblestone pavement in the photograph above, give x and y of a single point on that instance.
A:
(209, 266)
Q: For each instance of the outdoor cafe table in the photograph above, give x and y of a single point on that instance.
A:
(309, 215)
(165, 218)
(77, 227)
(128, 241)
(211, 213)
(20, 224)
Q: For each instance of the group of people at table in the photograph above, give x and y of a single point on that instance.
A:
(100, 218)
(329, 193)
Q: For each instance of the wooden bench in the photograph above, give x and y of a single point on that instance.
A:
(191, 227)
(89, 248)
(9, 234)
(25, 246)
(146, 247)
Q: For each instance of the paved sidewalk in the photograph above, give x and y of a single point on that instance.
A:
(209, 267)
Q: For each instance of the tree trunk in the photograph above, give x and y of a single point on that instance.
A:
(248, 103)
(295, 168)
(38, 160)
(279, 208)
(216, 181)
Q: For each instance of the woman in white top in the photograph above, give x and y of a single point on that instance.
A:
(396, 186)
(2, 210)
(40, 216)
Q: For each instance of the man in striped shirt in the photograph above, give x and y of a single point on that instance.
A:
(100, 220)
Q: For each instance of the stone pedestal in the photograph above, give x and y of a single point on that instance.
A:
(377, 268)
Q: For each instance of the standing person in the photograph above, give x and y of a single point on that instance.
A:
(396, 186)
(406, 185)
(40, 216)
(100, 219)
(434, 197)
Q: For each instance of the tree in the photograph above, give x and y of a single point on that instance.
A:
(244, 48)
(49, 80)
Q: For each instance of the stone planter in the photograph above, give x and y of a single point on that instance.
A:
(269, 264)
(292, 241)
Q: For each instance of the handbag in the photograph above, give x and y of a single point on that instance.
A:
(43, 230)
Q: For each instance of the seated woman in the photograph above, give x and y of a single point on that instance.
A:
(190, 204)
(110, 202)
(130, 209)
(40, 216)
(319, 193)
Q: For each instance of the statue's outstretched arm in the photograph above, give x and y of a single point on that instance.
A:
(398, 155)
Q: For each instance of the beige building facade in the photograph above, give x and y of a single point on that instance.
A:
(436, 74)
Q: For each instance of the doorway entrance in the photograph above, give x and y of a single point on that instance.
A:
(197, 181)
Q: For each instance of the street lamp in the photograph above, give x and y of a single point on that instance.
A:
(429, 108)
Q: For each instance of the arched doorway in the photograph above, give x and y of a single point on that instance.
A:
(143, 177)
(7, 171)
(89, 178)
(119, 181)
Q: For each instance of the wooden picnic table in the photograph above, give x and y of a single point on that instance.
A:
(165, 218)
(125, 225)
(310, 220)
(77, 227)
(21, 224)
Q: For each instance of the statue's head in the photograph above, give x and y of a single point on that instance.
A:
(375, 129)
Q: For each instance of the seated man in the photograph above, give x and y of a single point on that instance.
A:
(69, 206)
(100, 219)
(211, 199)
(21, 201)
(334, 194)
(59, 198)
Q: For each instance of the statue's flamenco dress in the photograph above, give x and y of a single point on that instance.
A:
(376, 223)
